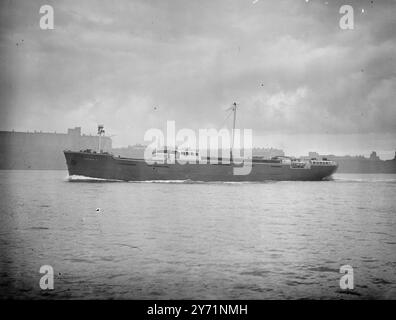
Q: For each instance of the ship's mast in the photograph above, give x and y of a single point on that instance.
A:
(234, 108)
(100, 131)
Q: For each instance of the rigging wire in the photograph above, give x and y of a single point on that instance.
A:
(230, 111)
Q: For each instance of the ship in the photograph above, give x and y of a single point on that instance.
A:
(173, 164)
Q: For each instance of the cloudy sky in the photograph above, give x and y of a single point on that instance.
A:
(303, 83)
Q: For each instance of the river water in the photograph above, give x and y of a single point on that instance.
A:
(272, 240)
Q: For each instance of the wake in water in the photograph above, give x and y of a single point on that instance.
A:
(365, 178)
(188, 181)
(76, 178)
(361, 178)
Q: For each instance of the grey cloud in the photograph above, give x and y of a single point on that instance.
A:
(287, 62)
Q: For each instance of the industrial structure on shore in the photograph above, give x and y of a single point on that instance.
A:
(44, 150)
(359, 164)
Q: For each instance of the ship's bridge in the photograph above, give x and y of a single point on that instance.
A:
(171, 154)
(296, 163)
(322, 162)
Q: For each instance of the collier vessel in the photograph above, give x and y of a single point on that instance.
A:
(173, 164)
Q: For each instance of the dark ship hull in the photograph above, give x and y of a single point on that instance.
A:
(106, 166)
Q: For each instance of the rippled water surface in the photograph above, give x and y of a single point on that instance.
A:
(269, 240)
